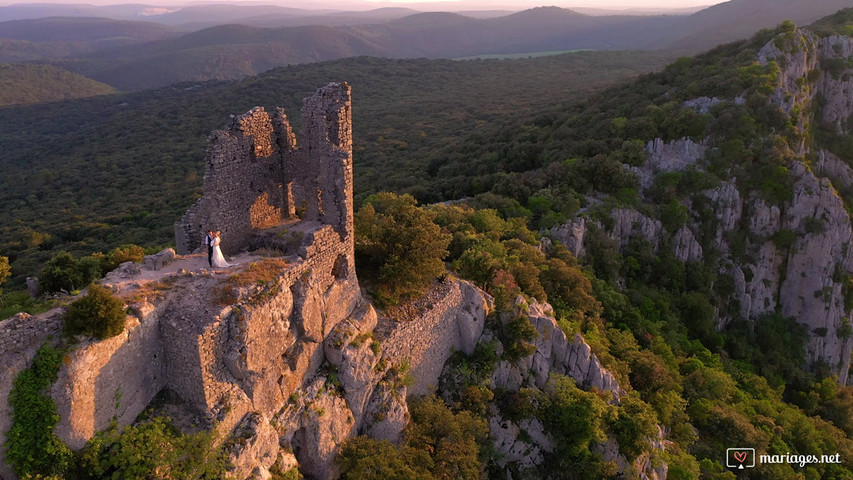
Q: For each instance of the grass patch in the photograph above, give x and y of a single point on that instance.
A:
(150, 291)
(20, 301)
(261, 274)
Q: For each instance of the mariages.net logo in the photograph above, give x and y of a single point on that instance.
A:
(741, 458)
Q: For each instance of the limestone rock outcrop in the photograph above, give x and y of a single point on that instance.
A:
(524, 453)
(555, 353)
(674, 156)
(628, 222)
(572, 234)
(253, 447)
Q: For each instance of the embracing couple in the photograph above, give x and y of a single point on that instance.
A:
(214, 253)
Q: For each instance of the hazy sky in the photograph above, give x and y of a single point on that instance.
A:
(416, 4)
(573, 3)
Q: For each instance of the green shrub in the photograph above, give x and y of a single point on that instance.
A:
(20, 301)
(438, 444)
(276, 473)
(62, 272)
(31, 446)
(575, 419)
(365, 458)
(454, 441)
(478, 265)
(90, 269)
(567, 287)
(634, 424)
(65, 272)
(99, 314)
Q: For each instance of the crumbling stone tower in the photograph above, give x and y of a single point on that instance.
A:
(257, 175)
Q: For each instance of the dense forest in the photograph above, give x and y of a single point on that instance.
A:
(90, 175)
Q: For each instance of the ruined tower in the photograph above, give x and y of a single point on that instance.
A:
(257, 174)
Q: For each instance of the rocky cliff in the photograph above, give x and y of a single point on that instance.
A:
(790, 256)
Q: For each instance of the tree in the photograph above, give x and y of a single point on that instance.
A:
(62, 272)
(634, 425)
(151, 449)
(124, 253)
(516, 336)
(5, 271)
(398, 247)
(576, 420)
(65, 272)
(454, 440)
(567, 286)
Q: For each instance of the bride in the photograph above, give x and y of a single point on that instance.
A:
(218, 258)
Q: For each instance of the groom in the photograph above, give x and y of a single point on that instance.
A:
(208, 241)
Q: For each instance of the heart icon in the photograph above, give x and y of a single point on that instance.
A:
(740, 456)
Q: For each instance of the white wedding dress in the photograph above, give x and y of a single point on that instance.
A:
(218, 258)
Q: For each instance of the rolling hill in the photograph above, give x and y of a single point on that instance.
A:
(226, 52)
(60, 37)
(29, 83)
(85, 29)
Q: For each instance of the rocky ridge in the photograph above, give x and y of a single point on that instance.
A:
(806, 279)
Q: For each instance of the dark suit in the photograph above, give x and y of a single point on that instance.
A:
(209, 242)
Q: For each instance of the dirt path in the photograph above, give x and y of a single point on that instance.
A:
(195, 263)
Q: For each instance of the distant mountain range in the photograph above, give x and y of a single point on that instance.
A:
(60, 37)
(139, 55)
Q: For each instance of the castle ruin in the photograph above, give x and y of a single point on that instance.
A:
(257, 174)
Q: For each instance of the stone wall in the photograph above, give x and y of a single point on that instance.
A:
(454, 320)
(252, 356)
(327, 135)
(223, 361)
(249, 358)
(111, 379)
